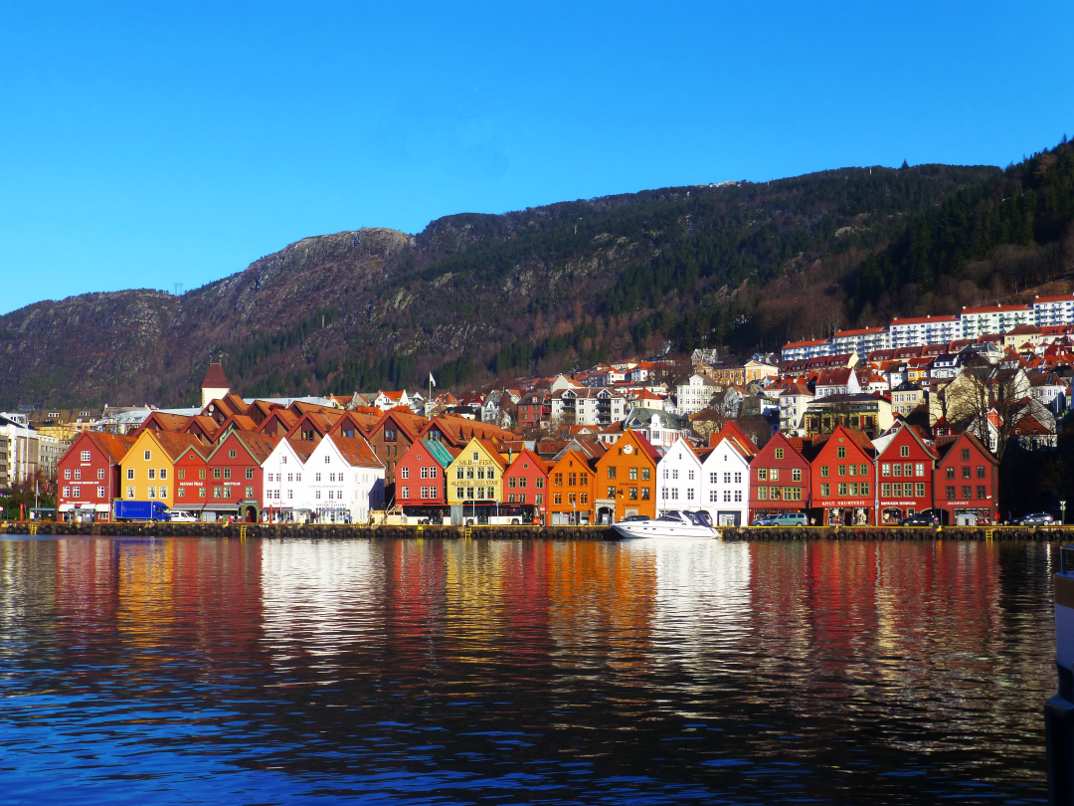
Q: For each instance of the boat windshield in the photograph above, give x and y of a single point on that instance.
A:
(674, 515)
(701, 518)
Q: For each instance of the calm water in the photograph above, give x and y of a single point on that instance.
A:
(186, 670)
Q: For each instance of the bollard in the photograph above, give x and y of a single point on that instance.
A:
(1059, 710)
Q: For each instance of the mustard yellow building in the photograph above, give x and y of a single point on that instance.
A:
(475, 476)
(147, 472)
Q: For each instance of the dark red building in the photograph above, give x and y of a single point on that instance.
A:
(966, 481)
(782, 478)
(421, 479)
(533, 408)
(235, 477)
(525, 485)
(843, 478)
(906, 466)
(192, 480)
(88, 475)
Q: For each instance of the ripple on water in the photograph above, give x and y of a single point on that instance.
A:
(188, 670)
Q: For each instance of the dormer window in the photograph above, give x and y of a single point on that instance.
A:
(327, 460)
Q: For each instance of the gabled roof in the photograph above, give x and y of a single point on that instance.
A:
(441, 454)
(165, 421)
(257, 445)
(732, 433)
(531, 456)
(945, 444)
(356, 450)
(113, 446)
(175, 444)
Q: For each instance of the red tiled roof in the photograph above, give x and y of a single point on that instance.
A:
(920, 320)
(114, 446)
(859, 331)
(356, 450)
(994, 309)
(791, 345)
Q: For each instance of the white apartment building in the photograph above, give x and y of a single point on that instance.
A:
(694, 395)
(1056, 309)
(916, 331)
(994, 319)
(792, 407)
(22, 450)
(808, 348)
(586, 406)
(862, 340)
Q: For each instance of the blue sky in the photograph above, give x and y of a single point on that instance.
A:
(146, 144)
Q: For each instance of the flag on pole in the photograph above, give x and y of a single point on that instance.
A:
(432, 380)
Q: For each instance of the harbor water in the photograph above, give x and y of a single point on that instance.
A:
(180, 670)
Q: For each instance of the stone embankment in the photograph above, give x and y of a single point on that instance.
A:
(306, 531)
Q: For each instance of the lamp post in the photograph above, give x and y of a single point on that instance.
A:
(1063, 511)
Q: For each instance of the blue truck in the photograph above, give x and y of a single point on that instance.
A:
(141, 511)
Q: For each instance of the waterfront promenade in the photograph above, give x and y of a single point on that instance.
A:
(504, 532)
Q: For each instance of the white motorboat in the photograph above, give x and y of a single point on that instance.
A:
(677, 523)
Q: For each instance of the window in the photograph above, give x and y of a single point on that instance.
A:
(980, 471)
(762, 475)
(966, 492)
(147, 455)
(249, 474)
(842, 487)
(611, 472)
(201, 492)
(67, 473)
(949, 492)
(327, 460)
(965, 471)
(633, 494)
(885, 469)
(904, 451)
(773, 474)
(949, 472)
(727, 496)
(841, 452)
(130, 492)
(404, 492)
(100, 473)
(779, 453)
(163, 473)
(152, 492)
(863, 470)
(919, 489)
(152, 472)
(100, 492)
(738, 496)
(645, 474)
(824, 472)
(540, 483)
(405, 473)
(981, 492)
(690, 475)
(201, 474)
(796, 474)
(632, 474)
(644, 493)
(965, 454)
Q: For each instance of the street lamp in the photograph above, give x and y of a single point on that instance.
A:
(1063, 511)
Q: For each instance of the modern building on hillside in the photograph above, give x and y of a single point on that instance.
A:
(987, 319)
(910, 331)
(694, 395)
(1052, 310)
(862, 340)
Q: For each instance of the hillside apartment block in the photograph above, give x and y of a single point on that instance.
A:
(916, 331)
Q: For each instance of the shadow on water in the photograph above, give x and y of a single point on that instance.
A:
(180, 670)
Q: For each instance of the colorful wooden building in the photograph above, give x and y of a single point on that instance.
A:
(843, 479)
(525, 483)
(626, 479)
(89, 475)
(421, 475)
(571, 488)
(966, 481)
(475, 482)
(781, 478)
(905, 474)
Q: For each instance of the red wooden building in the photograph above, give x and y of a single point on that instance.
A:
(966, 481)
(843, 478)
(525, 486)
(192, 480)
(421, 480)
(235, 477)
(906, 464)
(88, 475)
(781, 477)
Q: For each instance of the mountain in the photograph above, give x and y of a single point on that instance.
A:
(740, 264)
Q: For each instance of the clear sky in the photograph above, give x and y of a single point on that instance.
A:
(149, 144)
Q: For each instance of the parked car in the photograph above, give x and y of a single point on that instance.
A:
(1037, 519)
(782, 519)
(181, 517)
(924, 518)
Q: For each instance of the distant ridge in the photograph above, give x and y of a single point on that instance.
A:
(744, 264)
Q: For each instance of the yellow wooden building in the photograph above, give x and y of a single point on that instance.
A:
(147, 471)
(475, 476)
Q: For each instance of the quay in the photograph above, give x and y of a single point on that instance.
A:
(1059, 710)
(521, 532)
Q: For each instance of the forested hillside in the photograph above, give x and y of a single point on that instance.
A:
(741, 264)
